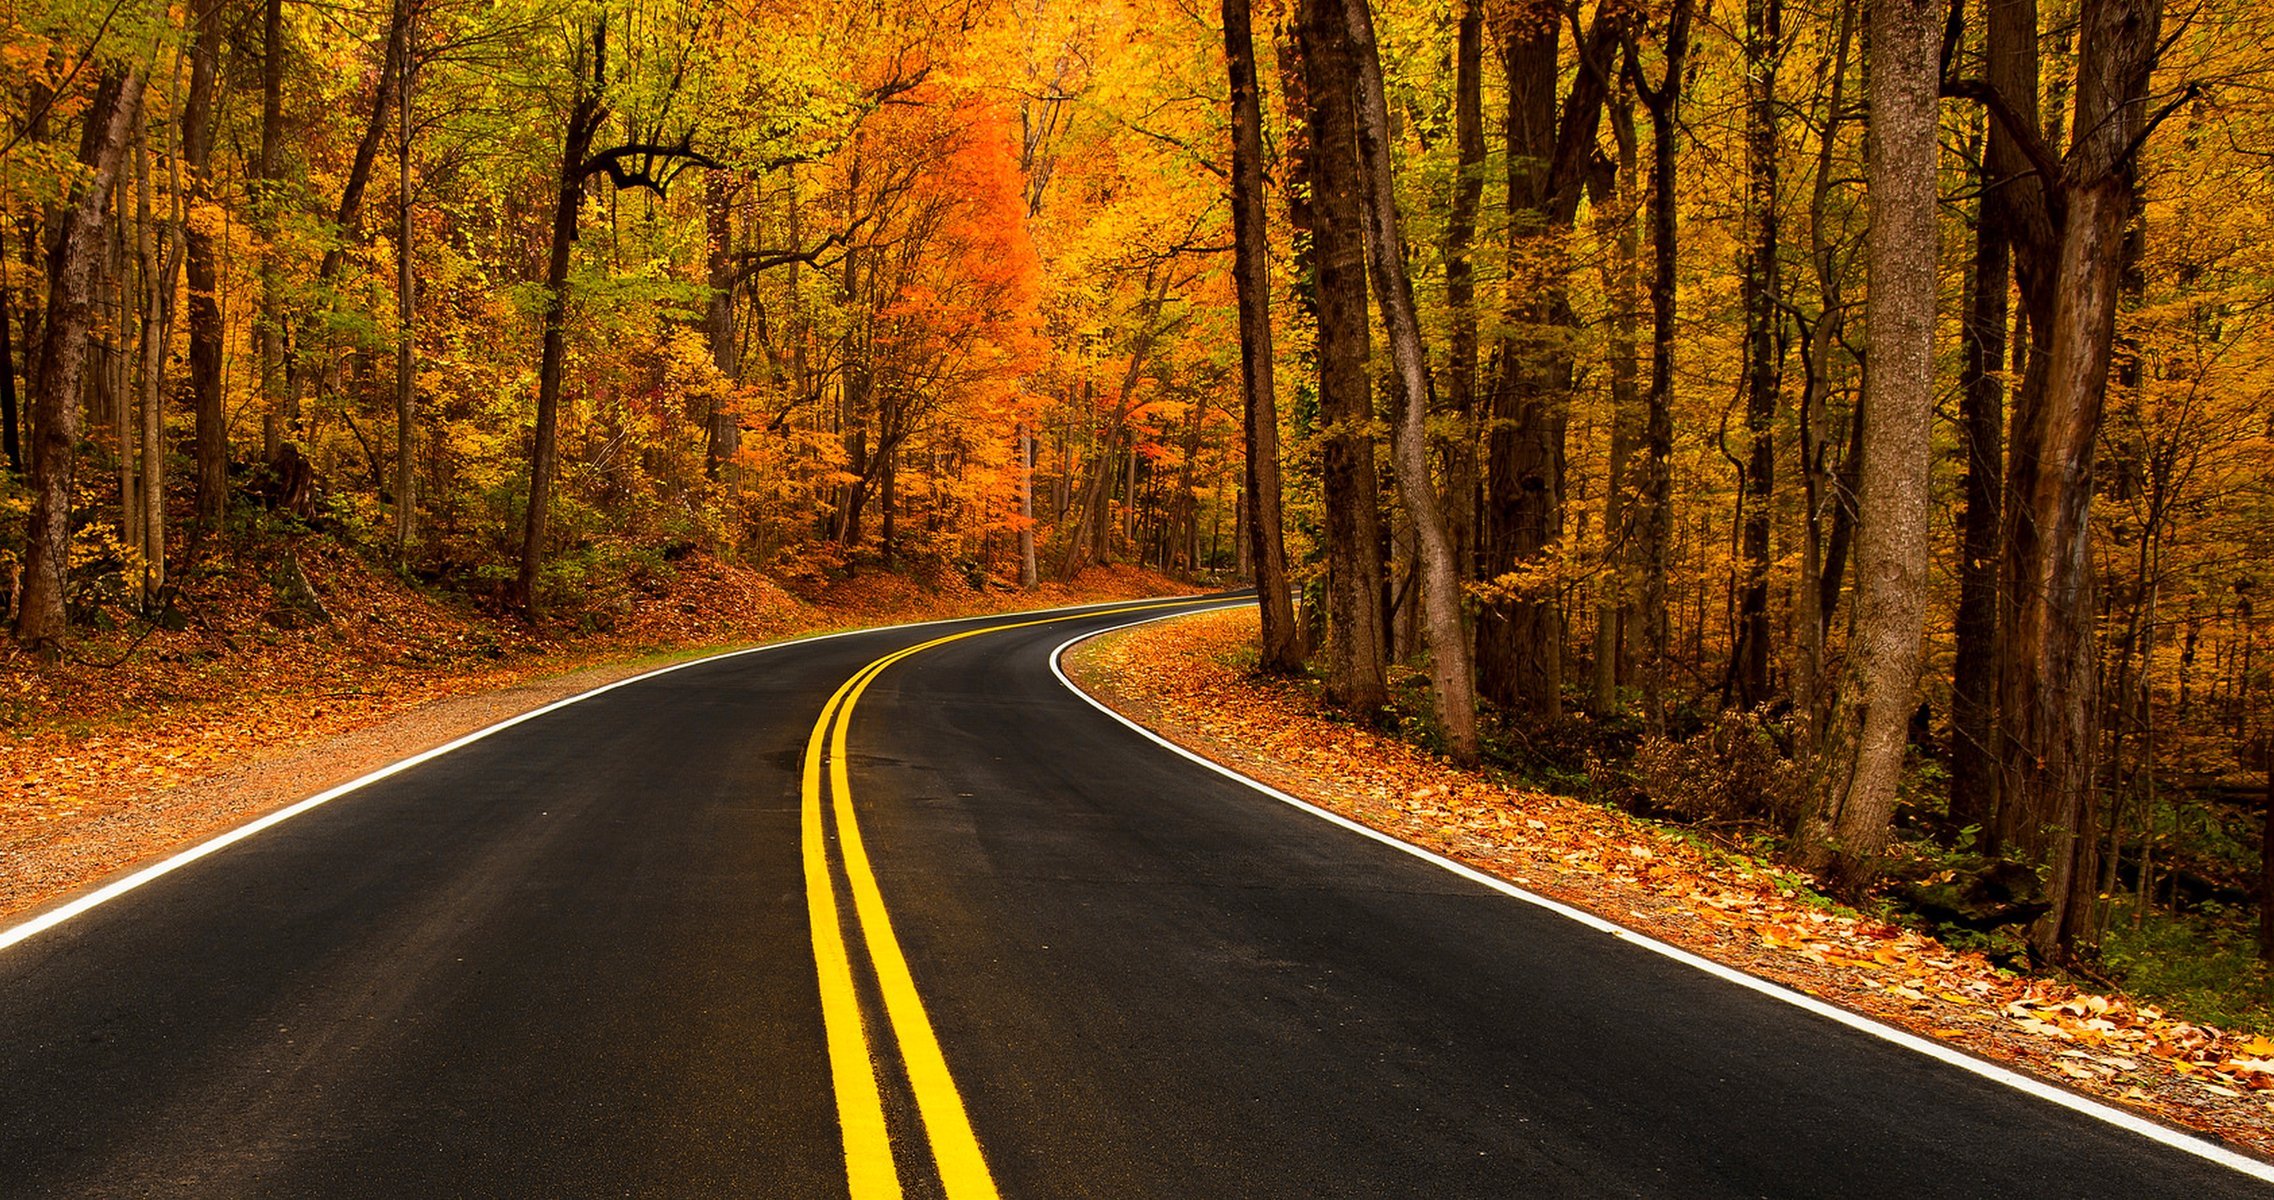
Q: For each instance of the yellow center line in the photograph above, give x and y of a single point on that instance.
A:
(869, 1170)
(869, 1167)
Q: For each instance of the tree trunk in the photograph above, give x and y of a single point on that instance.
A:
(2048, 681)
(1762, 289)
(11, 443)
(202, 260)
(56, 411)
(718, 322)
(1462, 507)
(1449, 663)
(585, 117)
(280, 420)
(1030, 572)
(1282, 649)
(160, 261)
(1981, 426)
(1863, 755)
(1657, 499)
(1349, 485)
(406, 302)
(1520, 635)
(1621, 277)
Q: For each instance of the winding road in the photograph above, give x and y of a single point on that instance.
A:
(898, 913)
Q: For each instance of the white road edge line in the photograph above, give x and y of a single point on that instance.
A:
(2176, 1139)
(119, 887)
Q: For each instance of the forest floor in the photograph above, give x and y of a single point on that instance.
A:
(1192, 681)
(131, 749)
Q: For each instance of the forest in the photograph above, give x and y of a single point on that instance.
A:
(1515, 349)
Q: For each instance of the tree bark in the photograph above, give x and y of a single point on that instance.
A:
(56, 410)
(1282, 642)
(160, 263)
(1520, 637)
(1449, 661)
(1762, 289)
(2047, 686)
(1464, 500)
(719, 437)
(1030, 572)
(1664, 105)
(586, 113)
(280, 420)
(1622, 276)
(406, 301)
(1863, 759)
(11, 444)
(1981, 426)
(202, 260)
(1349, 484)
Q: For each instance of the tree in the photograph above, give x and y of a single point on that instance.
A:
(1282, 639)
(1449, 661)
(1520, 629)
(2067, 242)
(110, 123)
(1663, 101)
(1862, 761)
(1335, 215)
(636, 163)
(1762, 291)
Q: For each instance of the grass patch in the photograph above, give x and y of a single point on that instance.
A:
(2203, 964)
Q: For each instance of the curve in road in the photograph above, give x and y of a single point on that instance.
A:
(578, 956)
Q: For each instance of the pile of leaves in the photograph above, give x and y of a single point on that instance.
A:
(1192, 681)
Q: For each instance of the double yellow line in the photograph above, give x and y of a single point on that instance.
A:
(869, 1166)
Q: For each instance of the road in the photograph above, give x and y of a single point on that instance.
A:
(633, 947)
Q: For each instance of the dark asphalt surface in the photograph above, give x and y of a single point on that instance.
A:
(573, 959)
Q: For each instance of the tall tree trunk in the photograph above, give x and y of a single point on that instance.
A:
(1030, 572)
(202, 259)
(585, 117)
(1622, 276)
(280, 419)
(11, 440)
(1282, 649)
(1462, 483)
(1349, 485)
(1520, 636)
(1449, 663)
(160, 263)
(1863, 756)
(56, 411)
(1657, 499)
(1762, 287)
(406, 297)
(719, 435)
(1817, 342)
(11, 443)
(2047, 685)
(1981, 426)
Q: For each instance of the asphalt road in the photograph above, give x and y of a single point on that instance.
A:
(579, 957)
